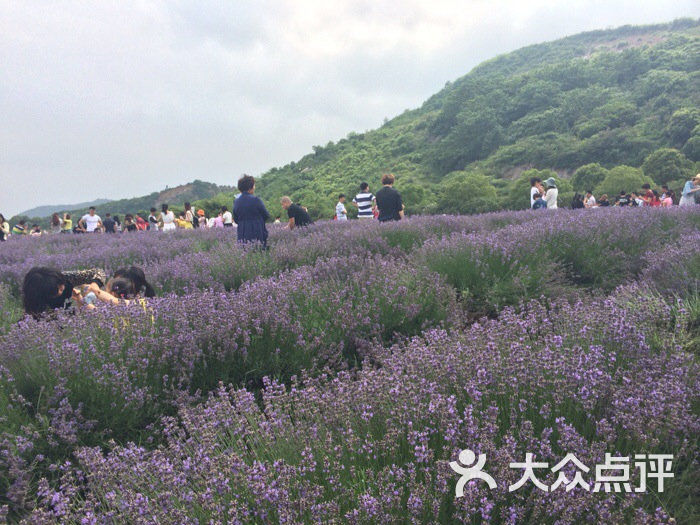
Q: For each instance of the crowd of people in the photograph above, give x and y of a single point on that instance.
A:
(249, 215)
(545, 195)
(47, 289)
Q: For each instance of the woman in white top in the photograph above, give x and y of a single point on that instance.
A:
(167, 219)
(550, 197)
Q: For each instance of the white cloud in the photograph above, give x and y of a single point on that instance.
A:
(120, 98)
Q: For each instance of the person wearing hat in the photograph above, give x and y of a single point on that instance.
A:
(550, 197)
(201, 219)
(690, 191)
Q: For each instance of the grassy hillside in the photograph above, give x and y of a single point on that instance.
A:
(609, 97)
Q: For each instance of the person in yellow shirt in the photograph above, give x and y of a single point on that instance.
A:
(67, 226)
(182, 223)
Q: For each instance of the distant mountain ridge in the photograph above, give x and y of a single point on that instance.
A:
(175, 197)
(48, 210)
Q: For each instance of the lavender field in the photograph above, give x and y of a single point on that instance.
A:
(334, 377)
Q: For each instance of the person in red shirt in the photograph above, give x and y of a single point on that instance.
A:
(655, 200)
(648, 195)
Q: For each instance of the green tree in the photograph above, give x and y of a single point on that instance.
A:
(681, 125)
(466, 193)
(588, 177)
(692, 147)
(622, 178)
(667, 164)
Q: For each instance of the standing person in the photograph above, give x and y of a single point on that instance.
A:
(56, 223)
(4, 228)
(201, 218)
(589, 201)
(36, 231)
(552, 193)
(141, 224)
(20, 228)
(189, 213)
(539, 203)
(91, 222)
(577, 202)
(623, 199)
(690, 191)
(364, 202)
(635, 199)
(250, 213)
(298, 216)
(389, 201)
(109, 224)
(218, 221)
(535, 187)
(647, 195)
(118, 223)
(67, 224)
(226, 217)
(167, 219)
(129, 224)
(153, 221)
(341, 213)
(655, 200)
(668, 197)
(182, 223)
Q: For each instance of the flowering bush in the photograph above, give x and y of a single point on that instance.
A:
(374, 446)
(335, 376)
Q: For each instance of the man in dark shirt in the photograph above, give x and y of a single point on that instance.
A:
(623, 199)
(389, 201)
(109, 224)
(298, 216)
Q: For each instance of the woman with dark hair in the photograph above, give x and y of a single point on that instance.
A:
(46, 289)
(138, 279)
(56, 223)
(167, 219)
(250, 213)
(129, 224)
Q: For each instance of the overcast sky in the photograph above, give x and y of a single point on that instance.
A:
(121, 98)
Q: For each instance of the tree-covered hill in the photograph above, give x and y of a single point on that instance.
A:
(609, 98)
(175, 197)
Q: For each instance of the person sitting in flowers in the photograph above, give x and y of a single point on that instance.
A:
(47, 289)
(126, 285)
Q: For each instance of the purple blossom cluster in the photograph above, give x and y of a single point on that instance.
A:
(374, 445)
(333, 377)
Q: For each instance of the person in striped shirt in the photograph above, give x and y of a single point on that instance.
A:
(365, 202)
